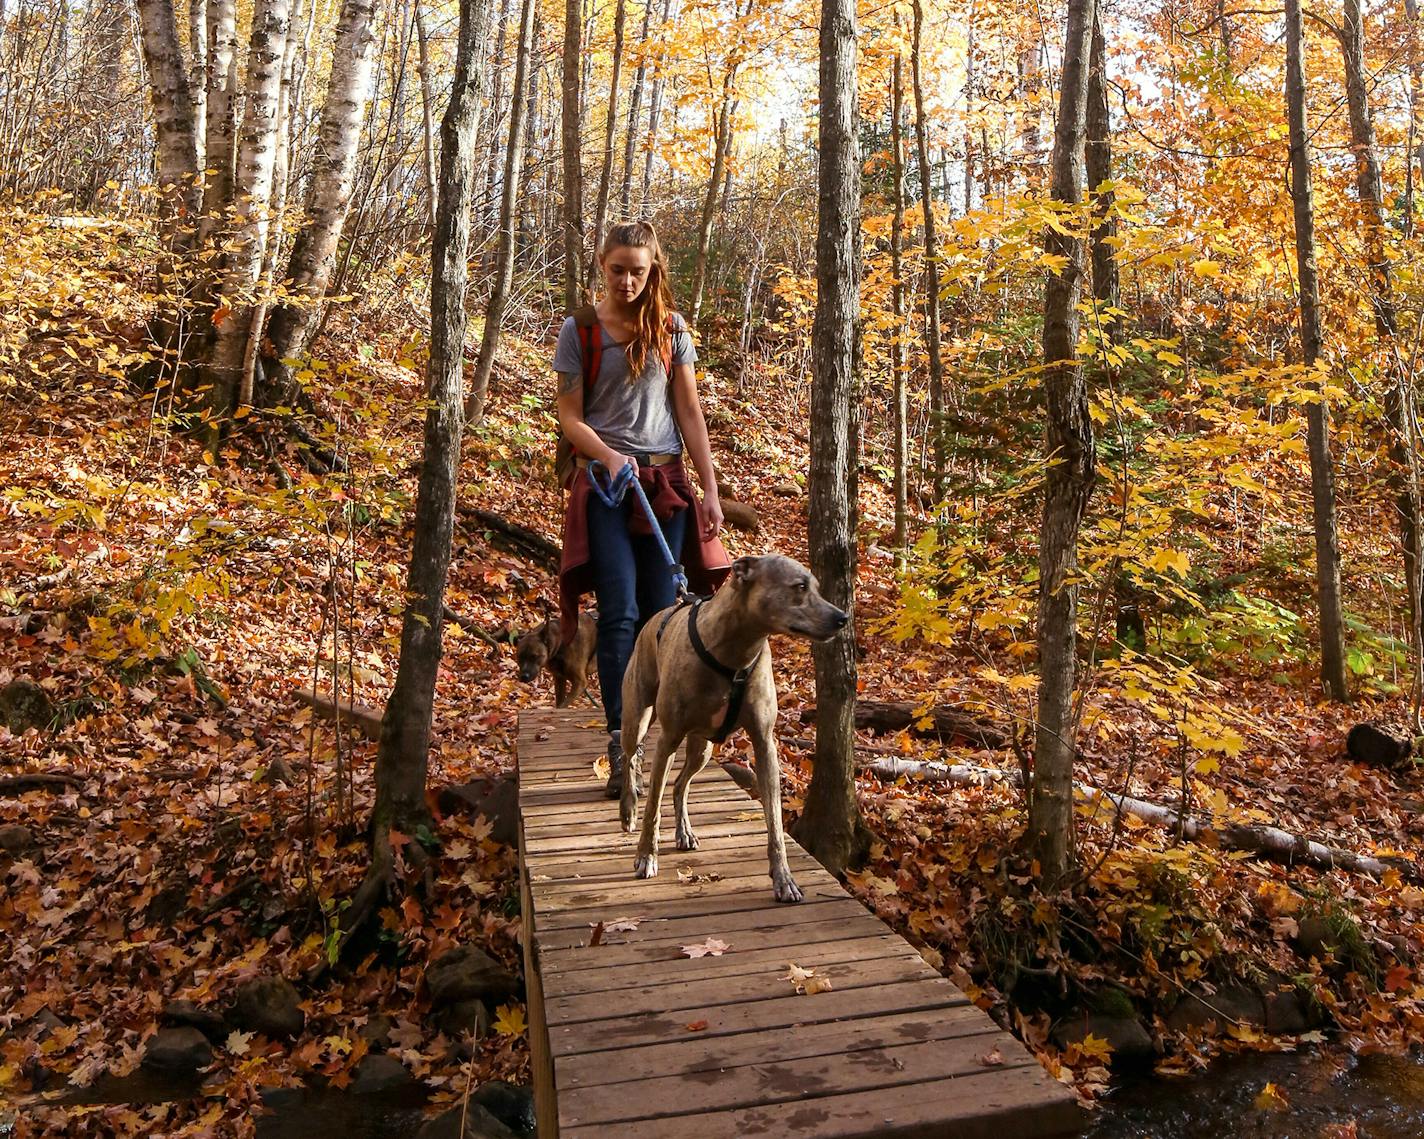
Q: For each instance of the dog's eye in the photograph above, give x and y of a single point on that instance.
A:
(802, 586)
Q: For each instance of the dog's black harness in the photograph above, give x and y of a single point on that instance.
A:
(737, 678)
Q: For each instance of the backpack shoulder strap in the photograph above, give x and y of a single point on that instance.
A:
(591, 343)
(667, 344)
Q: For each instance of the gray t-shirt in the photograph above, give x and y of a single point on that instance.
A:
(633, 418)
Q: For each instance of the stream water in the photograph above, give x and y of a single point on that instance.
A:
(1324, 1092)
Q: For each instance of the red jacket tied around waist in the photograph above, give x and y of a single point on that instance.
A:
(668, 491)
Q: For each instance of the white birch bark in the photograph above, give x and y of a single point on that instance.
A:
(252, 201)
(333, 176)
(176, 158)
(218, 131)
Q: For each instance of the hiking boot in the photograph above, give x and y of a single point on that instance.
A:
(613, 789)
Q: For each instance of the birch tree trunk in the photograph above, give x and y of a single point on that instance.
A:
(329, 197)
(572, 151)
(176, 156)
(932, 342)
(198, 75)
(1069, 479)
(635, 103)
(898, 401)
(1098, 156)
(830, 827)
(654, 109)
(504, 262)
(1414, 146)
(1322, 475)
(610, 131)
(1403, 474)
(252, 199)
(405, 730)
(220, 128)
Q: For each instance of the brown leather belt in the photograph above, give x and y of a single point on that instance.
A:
(643, 460)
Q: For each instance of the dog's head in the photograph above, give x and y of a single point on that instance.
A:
(535, 647)
(782, 595)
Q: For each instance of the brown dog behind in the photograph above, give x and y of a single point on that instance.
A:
(539, 650)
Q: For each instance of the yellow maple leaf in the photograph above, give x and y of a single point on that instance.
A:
(1096, 1047)
(509, 1020)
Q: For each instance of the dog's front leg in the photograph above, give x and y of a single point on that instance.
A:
(699, 751)
(768, 769)
(646, 864)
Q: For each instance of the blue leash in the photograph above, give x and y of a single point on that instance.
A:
(613, 496)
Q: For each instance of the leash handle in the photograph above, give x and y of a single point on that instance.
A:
(613, 495)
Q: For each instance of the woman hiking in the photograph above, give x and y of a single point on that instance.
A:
(628, 395)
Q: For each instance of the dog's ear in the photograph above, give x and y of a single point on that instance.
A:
(744, 570)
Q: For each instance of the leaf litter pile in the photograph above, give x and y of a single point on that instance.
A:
(177, 825)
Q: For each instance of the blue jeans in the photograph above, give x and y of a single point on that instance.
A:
(631, 581)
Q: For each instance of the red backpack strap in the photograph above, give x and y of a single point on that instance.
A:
(590, 344)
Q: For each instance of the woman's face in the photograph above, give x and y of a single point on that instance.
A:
(625, 271)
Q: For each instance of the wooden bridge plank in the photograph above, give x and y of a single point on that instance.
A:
(638, 1039)
(781, 1013)
(1013, 1103)
(696, 1054)
(775, 1080)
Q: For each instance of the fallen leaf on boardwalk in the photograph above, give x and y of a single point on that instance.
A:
(687, 876)
(992, 1058)
(696, 1026)
(712, 947)
(806, 981)
(600, 767)
(746, 816)
(509, 1020)
(542, 734)
(237, 1042)
(1271, 1098)
(596, 938)
(621, 925)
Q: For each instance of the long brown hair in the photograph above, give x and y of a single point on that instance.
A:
(654, 304)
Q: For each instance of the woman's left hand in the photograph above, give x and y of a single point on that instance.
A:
(712, 516)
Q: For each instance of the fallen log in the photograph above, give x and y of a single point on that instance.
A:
(945, 722)
(52, 781)
(517, 539)
(502, 636)
(1270, 842)
(365, 719)
(1375, 745)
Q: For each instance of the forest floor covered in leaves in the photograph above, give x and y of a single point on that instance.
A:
(180, 825)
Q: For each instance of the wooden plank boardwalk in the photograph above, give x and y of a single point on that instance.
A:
(633, 1038)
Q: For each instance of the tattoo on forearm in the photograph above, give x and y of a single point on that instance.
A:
(568, 382)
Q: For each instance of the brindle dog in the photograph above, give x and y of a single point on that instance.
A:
(538, 650)
(691, 697)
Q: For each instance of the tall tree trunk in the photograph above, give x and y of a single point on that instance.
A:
(504, 263)
(220, 129)
(281, 171)
(1403, 474)
(1098, 155)
(572, 153)
(721, 144)
(405, 730)
(610, 131)
(252, 199)
(1414, 148)
(1322, 475)
(654, 109)
(177, 155)
(898, 400)
(1069, 479)
(427, 116)
(309, 269)
(635, 103)
(969, 111)
(831, 827)
(932, 343)
(197, 73)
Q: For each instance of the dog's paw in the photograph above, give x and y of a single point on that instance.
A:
(784, 889)
(645, 866)
(628, 812)
(686, 840)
